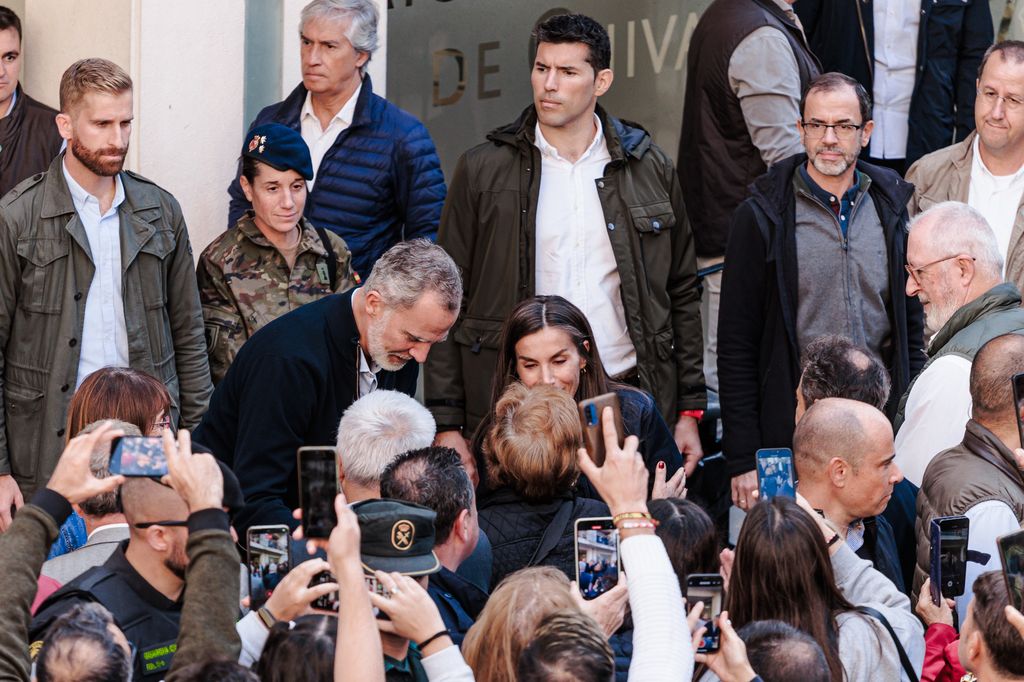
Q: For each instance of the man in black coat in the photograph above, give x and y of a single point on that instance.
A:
(818, 248)
(291, 382)
(918, 60)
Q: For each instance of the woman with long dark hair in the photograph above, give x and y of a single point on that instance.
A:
(547, 339)
(792, 566)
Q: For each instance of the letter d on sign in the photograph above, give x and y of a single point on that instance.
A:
(460, 88)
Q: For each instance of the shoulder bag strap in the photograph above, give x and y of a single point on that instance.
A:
(332, 259)
(553, 533)
(904, 659)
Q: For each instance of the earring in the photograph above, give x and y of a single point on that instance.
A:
(583, 369)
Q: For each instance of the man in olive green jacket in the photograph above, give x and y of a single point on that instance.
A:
(83, 217)
(502, 217)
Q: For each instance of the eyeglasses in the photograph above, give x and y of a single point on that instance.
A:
(162, 423)
(990, 97)
(149, 524)
(916, 273)
(844, 131)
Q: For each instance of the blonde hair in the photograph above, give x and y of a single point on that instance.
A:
(510, 619)
(91, 75)
(533, 441)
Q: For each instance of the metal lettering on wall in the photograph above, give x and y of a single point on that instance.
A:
(463, 66)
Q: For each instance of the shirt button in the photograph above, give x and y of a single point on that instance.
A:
(611, 226)
(60, 432)
(73, 342)
(64, 388)
(600, 184)
(78, 296)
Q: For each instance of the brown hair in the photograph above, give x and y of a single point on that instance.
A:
(91, 75)
(689, 536)
(510, 619)
(118, 393)
(568, 646)
(989, 611)
(533, 442)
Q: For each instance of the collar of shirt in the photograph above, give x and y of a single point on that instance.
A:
(10, 107)
(855, 535)
(106, 527)
(552, 153)
(366, 366)
(81, 197)
(838, 206)
(784, 6)
(978, 167)
(343, 117)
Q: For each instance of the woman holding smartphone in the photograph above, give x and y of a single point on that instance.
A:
(274, 260)
(548, 340)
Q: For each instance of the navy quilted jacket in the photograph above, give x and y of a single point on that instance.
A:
(380, 183)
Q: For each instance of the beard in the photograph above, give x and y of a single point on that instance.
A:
(94, 160)
(837, 167)
(377, 351)
(177, 563)
(938, 313)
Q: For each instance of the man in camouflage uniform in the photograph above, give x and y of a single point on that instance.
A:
(245, 278)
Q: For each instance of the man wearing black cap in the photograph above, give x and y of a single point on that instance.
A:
(143, 582)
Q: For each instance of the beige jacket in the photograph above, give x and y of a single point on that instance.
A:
(945, 175)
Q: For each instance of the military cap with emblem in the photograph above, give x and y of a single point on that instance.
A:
(396, 537)
(279, 147)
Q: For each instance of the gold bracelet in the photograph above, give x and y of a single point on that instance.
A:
(631, 515)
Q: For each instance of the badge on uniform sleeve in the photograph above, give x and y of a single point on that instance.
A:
(323, 273)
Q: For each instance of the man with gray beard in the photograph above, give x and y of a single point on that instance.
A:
(817, 248)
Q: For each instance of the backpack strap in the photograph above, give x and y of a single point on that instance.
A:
(908, 668)
(332, 259)
(553, 533)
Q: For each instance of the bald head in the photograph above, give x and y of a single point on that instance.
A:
(991, 372)
(837, 427)
(144, 500)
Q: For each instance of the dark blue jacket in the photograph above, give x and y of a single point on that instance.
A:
(952, 38)
(458, 601)
(880, 549)
(288, 386)
(380, 182)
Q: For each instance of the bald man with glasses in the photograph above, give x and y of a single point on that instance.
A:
(818, 248)
(986, 170)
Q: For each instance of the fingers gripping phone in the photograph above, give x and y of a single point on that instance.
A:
(318, 486)
(141, 456)
(597, 556)
(1011, 553)
(775, 476)
(1018, 401)
(948, 566)
(331, 601)
(268, 556)
(707, 588)
(591, 410)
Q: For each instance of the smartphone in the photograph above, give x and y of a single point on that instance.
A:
(318, 486)
(1018, 401)
(268, 556)
(597, 556)
(948, 567)
(1011, 553)
(138, 456)
(374, 585)
(328, 602)
(591, 410)
(707, 588)
(775, 473)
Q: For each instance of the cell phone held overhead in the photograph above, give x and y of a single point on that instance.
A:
(318, 486)
(775, 474)
(597, 556)
(1018, 402)
(268, 557)
(139, 456)
(706, 588)
(1011, 554)
(948, 565)
(591, 413)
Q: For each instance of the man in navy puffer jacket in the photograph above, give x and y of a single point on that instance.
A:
(377, 176)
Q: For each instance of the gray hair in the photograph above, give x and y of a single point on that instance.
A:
(104, 504)
(409, 269)
(376, 429)
(362, 17)
(963, 229)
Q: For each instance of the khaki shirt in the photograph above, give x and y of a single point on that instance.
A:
(245, 283)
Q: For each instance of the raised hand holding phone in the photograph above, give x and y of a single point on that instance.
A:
(72, 478)
(622, 478)
(730, 663)
(196, 477)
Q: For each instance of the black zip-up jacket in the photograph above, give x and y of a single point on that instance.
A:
(758, 357)
(952, 38)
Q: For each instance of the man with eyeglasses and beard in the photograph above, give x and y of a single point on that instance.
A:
(818, 248)
(986, 170)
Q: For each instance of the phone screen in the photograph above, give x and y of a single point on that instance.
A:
(775, 473)
(949, 563)
(597, 556)
(328, 602)
(707, 588)
(1018, 400)
(269, 560)
(139, 456)
(318, 486)
(1011, 553)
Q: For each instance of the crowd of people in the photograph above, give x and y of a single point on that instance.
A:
(830, 269)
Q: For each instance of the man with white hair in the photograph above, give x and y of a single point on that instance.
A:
(955, 269)
(372, 433)
(291, 381)
(376, 175)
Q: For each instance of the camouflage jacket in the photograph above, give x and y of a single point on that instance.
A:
(244, 283)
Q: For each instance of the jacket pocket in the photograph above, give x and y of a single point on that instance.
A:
(477, 333)
(42, 279)
(24, 421)
(664, 343)
(653, 218)
(151, 263)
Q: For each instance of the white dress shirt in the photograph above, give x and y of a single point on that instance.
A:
(988, 521)
(896, 26)
(574, 256)
(936, 415)
(997, 197)
(104, 341)
(317, 138)
(10, 107)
